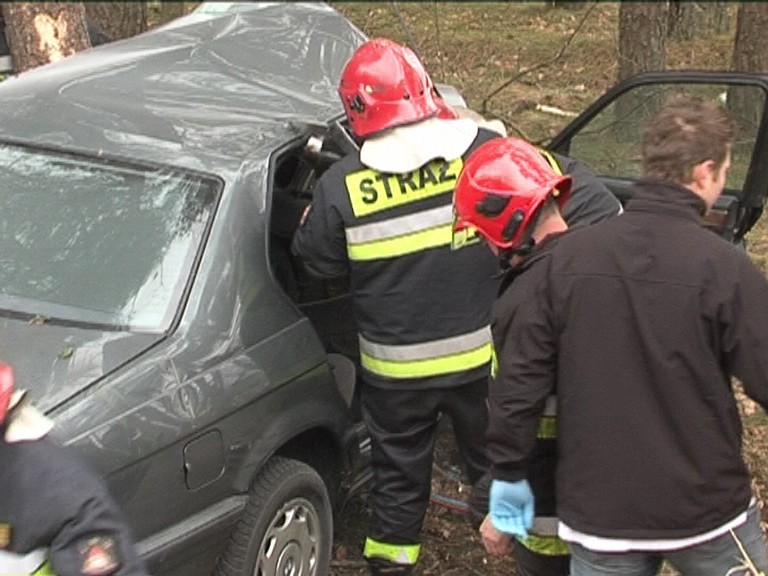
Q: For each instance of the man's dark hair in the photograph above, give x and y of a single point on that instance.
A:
(684, 133)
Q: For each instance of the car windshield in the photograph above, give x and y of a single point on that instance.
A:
(96, 244)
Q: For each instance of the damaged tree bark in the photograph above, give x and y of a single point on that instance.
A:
(43, 32)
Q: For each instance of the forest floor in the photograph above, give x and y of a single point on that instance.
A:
(506, 58)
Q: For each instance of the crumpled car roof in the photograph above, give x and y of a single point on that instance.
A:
(206, 91)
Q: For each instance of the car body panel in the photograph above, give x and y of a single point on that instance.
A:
(180, 421)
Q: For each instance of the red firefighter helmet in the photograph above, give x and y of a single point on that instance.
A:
(444, 110)
(6, 389)
(385, 85)
(502, 186)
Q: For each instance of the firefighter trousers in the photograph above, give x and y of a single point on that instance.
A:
(402, 425)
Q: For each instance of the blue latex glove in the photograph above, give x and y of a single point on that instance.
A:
(511, 507)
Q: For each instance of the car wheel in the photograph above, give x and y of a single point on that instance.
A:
(287, 525)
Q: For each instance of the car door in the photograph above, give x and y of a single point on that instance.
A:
(607, 137)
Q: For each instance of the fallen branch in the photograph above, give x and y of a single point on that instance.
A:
(555, 111)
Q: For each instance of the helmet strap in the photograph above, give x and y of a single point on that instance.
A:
(522, 249)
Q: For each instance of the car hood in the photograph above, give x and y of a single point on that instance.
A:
(54, 363)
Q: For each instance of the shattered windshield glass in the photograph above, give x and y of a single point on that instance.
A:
(87, 242)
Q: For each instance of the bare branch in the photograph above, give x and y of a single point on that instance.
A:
(540, 65)
(406, 28)
(436, 19)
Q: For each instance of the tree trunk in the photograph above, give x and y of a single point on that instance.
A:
(158, 13)
(690, 20)
(116, 20)
(43, 32)
(642, 37)
(642, 48)
(170, 11)
(750, 54)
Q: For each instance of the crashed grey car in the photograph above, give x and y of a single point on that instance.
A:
(149, 301)
(149, 307)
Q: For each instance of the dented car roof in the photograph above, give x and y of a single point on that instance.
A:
(206, 91)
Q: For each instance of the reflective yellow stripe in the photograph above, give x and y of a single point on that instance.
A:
(44, 570)
(494, 362)
(548, 545)
(429, 349)
(398, 553)
(551, 160)
(464, 238)
(547, 428)
(371, 191)
(407, 244)
(428, 367)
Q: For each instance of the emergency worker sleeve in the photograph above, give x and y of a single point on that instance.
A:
(743, 316)
(525, 348)
(591, 201)
(88, 534)
(320, 241)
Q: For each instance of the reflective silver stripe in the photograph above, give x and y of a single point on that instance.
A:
(544, 526)
(400, 226)
(11, 563)
(427, 350)
(550, 408)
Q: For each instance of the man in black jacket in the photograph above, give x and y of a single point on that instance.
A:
(56, 516)
(643, 321)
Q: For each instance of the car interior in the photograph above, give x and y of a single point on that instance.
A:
(325, 301)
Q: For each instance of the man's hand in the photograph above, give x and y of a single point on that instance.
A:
(495, 543)
(512, 507)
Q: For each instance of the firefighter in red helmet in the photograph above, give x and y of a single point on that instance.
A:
(421, 293)
(56, 516)
(513, 197)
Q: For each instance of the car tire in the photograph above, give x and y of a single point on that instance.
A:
(287, 525)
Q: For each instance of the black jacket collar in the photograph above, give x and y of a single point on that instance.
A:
(659, 196)
(538, 252)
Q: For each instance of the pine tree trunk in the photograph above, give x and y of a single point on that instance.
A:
(116, 20)
(750, 54)
(691, 20)
(642, 48)
(43, 32)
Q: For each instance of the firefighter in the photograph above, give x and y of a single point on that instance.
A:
(517, 207)
(56, 517)
(542, 553)
(421, 294)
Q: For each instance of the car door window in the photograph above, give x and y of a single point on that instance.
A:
(610, 141)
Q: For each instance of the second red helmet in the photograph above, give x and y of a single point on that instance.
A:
(502, 185)
(384, 85)
(6, 389)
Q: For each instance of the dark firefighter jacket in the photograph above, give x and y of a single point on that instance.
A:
(53, 509)
(590, 202)
(421, 294)
(519, 289)
(650, 315)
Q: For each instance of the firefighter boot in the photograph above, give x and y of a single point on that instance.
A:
(382, 567)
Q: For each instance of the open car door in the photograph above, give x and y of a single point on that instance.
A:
(607, 136)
